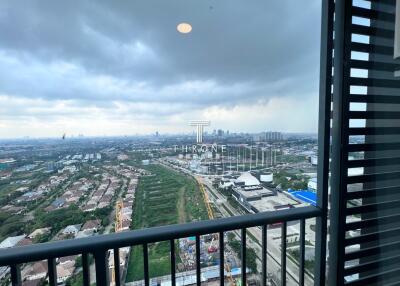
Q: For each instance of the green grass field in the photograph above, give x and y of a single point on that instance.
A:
(167, 197)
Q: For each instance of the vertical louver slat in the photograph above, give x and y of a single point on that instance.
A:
(365, 180)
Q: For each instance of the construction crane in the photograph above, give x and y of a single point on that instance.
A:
(206, 199)
(212, 248)
(229, 274)
(117, 227)
(118, 215)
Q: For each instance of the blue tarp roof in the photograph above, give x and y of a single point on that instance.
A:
(305, 196)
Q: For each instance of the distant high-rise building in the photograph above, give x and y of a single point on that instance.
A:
(269, 136)
(220, 132)
(259, 137)
(273, 136)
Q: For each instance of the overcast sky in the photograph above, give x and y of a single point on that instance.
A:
(121, 67)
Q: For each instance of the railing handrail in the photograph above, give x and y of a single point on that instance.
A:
(54, 249)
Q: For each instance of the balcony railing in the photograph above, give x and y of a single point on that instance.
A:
(100, 245)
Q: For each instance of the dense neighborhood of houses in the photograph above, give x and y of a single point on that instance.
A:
(99, 191)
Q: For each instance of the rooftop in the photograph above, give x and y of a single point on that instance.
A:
(248, 179)
(11, 241)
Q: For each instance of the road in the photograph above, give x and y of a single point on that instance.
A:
(273, 249)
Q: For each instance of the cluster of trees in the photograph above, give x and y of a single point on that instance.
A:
(10, 224)
(76, 280)
(285, 180)
(59, 219)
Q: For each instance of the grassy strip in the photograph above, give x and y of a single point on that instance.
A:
(167, 197)
(159, 261)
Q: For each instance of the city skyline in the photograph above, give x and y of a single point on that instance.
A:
(190, 133)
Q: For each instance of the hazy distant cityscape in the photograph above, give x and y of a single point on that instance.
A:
(74, 187)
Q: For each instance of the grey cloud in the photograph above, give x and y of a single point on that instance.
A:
(238, 51)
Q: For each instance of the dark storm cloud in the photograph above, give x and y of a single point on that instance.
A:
(130, 50)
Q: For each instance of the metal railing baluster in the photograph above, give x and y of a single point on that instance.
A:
(264, 255)
(98, 246)
(283, 253)
(117, 274)
(85, 269)
(302, 251)
(221, 259)
(102, 269)
(198, 269)
(16, 275)
(243, 255)
(146, 264)
(52, 269)
(173, 262)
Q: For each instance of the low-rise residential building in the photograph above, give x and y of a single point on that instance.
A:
(39, 232)
(85, 233)
(89, 207)
(16, 210)
(127, 216)
(65, 271)
(103, 205)
(72, 229)
(125, 225)
(11, 241)
(67, 259)
(37, 270)
(94, 225)
(24, 241)
(58, 203)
